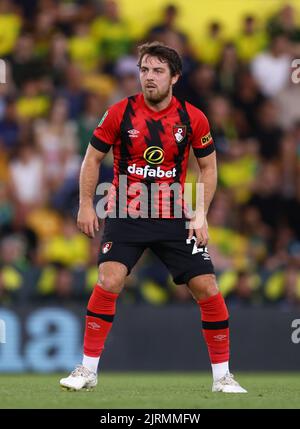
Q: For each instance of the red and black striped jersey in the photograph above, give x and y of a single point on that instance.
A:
(149, 146)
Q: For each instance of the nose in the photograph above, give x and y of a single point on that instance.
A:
(149, 75)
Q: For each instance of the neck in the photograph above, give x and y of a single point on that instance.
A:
(159, 106)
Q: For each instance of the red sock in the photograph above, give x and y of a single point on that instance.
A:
(215, 325)
(100, 314)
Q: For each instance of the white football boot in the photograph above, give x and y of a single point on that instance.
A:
(80, 378)
(227, 384)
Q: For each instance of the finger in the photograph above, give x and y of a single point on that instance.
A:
(200, 238)
(199, 242)
(206, 237)
(91, 230)
(203, 243)
(87, 230)
(84, 229)
(204, 240)
(198, 235)
(81, 227)
(191, 233)
(96, 223)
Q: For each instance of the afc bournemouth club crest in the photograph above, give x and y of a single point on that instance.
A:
(179, 132)
(106, 247)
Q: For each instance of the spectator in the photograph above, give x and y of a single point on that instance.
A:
(57, 140)
(271, 69)
(24, 62)
(258, 234)
(27, 181)
(288, 104)
(10, 26)
(43, 32)
(283, 287)
(247, 100)
(268, 132)
(58, 58)
(94, 108)
(72, 90)
(83, 48)
(6, 207)
(243, 290)
(291, 292)
(69, 247)
(210, 46)
(168, 24)
(201, 86)
(127, 75)
(267, 196)
(9, 127)
(32, 102)
(55, 282)
(222, 123)
(173, 39)
(284, 21)
(228, 69)
(251, 40)
(111, 32)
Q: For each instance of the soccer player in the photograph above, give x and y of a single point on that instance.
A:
(151, 134)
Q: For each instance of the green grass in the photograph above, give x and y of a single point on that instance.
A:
(151, 390)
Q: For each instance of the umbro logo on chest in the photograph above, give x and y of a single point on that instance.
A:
(133, 133)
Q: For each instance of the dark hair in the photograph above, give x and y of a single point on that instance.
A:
(164, 53)
(171, 8)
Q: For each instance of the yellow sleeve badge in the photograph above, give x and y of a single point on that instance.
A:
(206, 139)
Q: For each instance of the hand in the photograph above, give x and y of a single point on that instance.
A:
(87, 220)
(200, 230)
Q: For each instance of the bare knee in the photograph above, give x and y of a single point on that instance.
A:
(203, 286)
(112, 276)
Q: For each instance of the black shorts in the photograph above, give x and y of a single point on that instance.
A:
(124, 240)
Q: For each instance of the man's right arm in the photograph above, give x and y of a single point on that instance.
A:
(87, 220)
(103, 138)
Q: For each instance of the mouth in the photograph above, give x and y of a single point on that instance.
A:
(150, 86)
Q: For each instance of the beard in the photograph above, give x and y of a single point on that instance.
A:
(154, 96)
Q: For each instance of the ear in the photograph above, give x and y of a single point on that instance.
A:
(174, 79)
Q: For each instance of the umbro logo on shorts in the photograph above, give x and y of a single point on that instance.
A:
(202, 250)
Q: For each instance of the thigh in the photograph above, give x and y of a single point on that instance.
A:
(183, 259)
(119, 245)
(125, 253)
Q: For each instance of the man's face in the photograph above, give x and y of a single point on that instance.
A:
(156, 79)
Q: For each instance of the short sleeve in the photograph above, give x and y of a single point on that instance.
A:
(108, 129)
(202, 142)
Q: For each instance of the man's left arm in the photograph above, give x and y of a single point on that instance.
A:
(204, 151)
(208, 177)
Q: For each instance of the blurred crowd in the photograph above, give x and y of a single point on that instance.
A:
(66, 62)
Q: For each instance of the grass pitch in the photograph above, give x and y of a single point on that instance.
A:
(151, 391)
